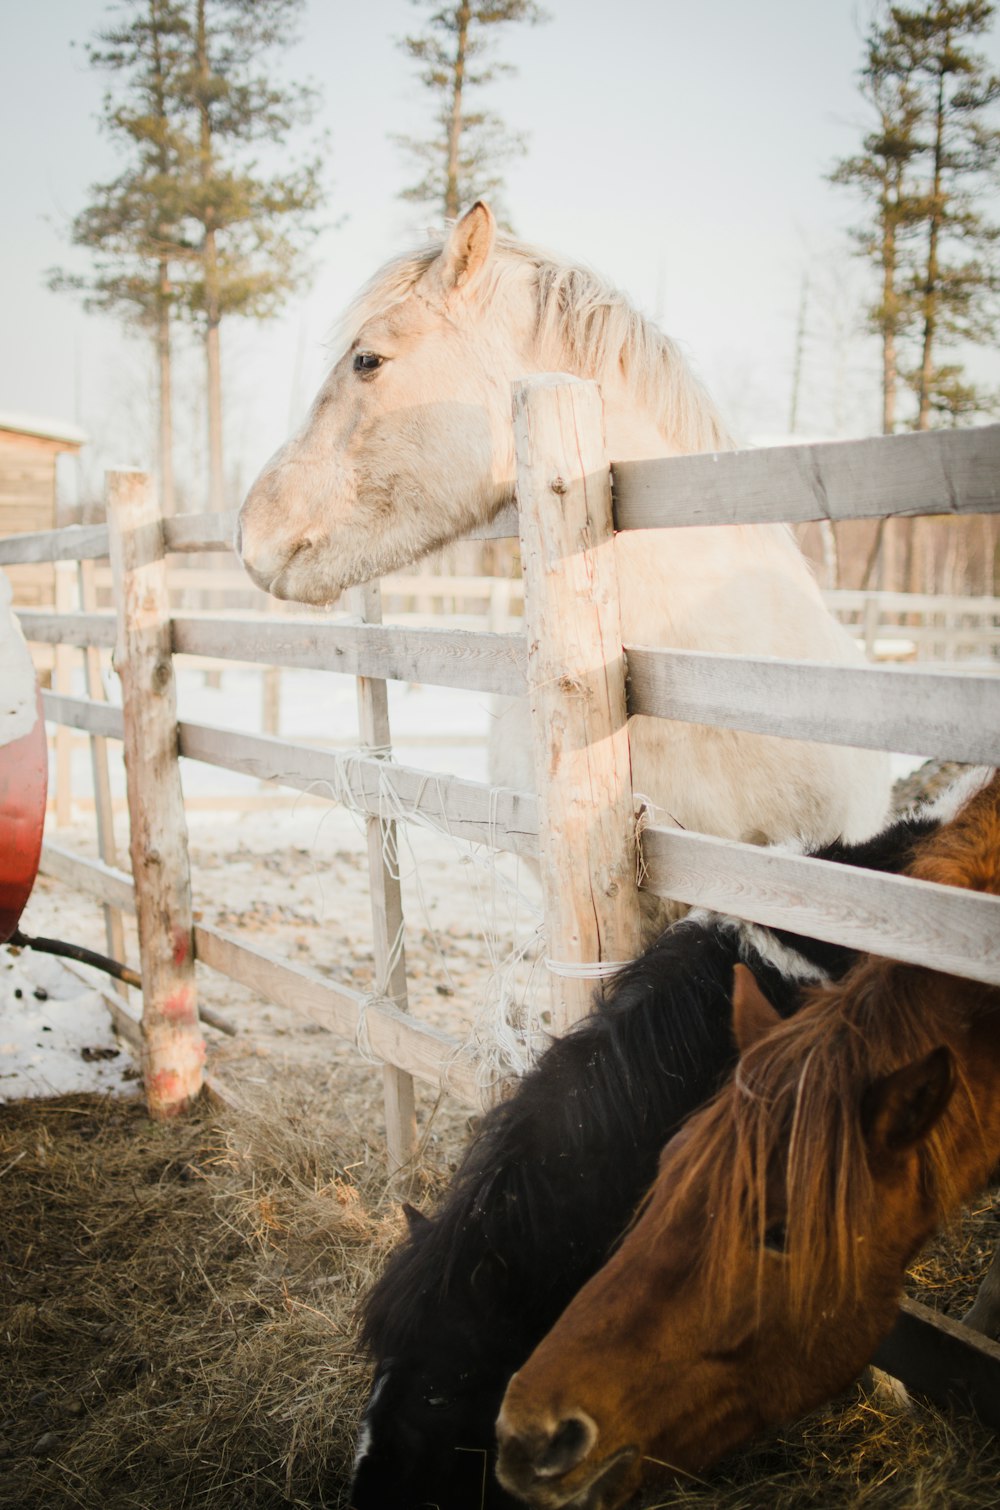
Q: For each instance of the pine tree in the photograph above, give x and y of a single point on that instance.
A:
(133, 225)
(253, 230)
(957, 279)
(463, 159)
(922, 170)
(191, 225)
(883, 173)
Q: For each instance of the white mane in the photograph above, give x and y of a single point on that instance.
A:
(582, 324)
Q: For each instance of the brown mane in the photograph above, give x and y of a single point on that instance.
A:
(795, 1103)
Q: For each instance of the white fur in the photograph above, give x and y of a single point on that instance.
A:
(947, 805)
(364, 1442)
(772, 950)
(388, 467)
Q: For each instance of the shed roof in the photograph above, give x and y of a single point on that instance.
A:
(65, 436)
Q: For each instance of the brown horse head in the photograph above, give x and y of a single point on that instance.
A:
(766, 1264)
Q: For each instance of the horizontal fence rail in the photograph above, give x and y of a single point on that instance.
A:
(458, 658)
(943, 927)
(935, 472)
(183, 533)
(875, 707)
(939, 926)
(894, 708)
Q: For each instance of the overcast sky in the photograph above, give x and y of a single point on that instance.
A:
(679, 146)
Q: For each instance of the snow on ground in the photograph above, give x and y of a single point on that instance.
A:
(55, 1033)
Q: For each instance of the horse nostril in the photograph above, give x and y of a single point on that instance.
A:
(568, 1445)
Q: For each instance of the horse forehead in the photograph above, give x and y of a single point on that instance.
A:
(407, 319)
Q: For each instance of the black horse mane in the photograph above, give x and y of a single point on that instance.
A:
(590, 1119)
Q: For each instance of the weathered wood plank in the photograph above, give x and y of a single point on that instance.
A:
(468, 810)
(447, 658)
(938, 1357)
(201, 532)
(934, 472)
(576, 679)
(174, 1046)
(107, 846)
(944, 927)
(855, 599)
(62, 678)
(91, 877)
(42, 626)
(77, 542)
(213, 532)
(503, 527)
(955, 717)
(86, 713)
(881, 708)
(386, 899)
(425, 1051)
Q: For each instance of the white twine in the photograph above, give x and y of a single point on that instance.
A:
(379, 997)
(598, 969)
(506, 1034)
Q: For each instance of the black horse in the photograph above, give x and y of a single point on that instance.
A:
(546, 1189)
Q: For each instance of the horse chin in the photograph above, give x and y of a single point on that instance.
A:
(307, 578)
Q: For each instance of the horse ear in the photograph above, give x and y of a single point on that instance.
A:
(467, 248)
(415, 1219)
(753, 1014)
(899, 1110)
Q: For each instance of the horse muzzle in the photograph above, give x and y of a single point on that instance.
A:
(554, 1469)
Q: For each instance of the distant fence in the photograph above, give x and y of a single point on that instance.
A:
(955, 715)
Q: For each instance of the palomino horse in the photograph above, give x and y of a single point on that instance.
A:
(767, 1263)
(546, 1189)
(409, 444)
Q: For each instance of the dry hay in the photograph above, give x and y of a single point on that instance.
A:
(178, 1301)
(178, 1307)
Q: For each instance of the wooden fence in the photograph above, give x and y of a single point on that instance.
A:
(571, 619)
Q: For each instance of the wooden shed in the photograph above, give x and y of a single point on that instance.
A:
(29, 446)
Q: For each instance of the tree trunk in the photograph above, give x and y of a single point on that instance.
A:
(890, 321)
(168, 505)
(933, 269)
(213, 376)
(210, 268)
(451, 204)
(168, 502)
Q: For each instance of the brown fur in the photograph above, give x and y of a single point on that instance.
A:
(795, 1098)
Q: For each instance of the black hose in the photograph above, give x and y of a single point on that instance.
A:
(78, 952)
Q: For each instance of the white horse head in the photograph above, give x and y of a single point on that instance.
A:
(409, 442)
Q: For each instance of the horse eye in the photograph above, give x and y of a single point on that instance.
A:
(367, 361)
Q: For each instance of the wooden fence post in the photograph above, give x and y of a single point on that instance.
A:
(174, 1049)
(114, 927)
(576, 681)
(62, 681)
(386, 898)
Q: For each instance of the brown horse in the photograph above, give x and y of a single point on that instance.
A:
(767, 1262)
